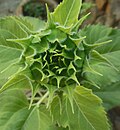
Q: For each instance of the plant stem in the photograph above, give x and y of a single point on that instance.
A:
(40, 101)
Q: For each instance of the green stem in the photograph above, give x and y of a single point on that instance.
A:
(40, 101)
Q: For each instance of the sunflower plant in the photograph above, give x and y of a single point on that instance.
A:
(56, 76)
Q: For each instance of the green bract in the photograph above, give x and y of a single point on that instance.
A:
(49, 70)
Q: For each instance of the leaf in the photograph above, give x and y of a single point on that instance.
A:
(51, 90)
(110, 95)
(45, 119)
(11, 25)
(13, 104)
(61, 128)
(8, 57)
(77, 41)
(37, 24)
(4, 35)
(109, 86)
(42, 46)
(5, 76)
(57, 35)
(65, 29)
(30, 24)
(107, 60)
(19, 81)
(88, 112)
(78, 24)
(30, 52)
(35, 88)
(14, 113)
(95, 33)
(114, 45)
(50, 22)
(36, 39)
(67, 12)
(104, 60)
(10, 54)
(69, 46)
(23, 42)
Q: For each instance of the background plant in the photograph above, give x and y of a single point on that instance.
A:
(49, 70)
(35, 9)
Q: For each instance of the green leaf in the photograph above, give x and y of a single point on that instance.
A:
(77, 41)
(65, 29)
(4, 36)
(109, 86)
(10, 55)
(19, 81)
(35, 88)
(37, 24)
(36, 39)
(13, 104)
(51, 90)
(96, 33)
(105, 61)
(50, 22)
(61, 128)
(5, 76)
(7, 62)
(110, 95)
(78, 24)
(14, 113)
(57, 35)
(30, 52)
(42, 46)
(112, 46)
(88, 112)
(11, 25)
(45, 119)
(67, 12)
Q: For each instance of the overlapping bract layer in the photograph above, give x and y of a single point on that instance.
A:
(57, 63)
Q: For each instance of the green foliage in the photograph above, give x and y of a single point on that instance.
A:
(17, 107)
(34, 9)
(74, 113)
(106, 62)
(69, 15)
(50, 73)
(86, 6)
